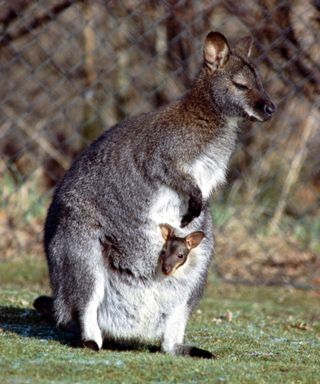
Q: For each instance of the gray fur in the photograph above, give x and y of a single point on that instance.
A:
(158, 167)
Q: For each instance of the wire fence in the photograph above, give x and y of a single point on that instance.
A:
(70, 69)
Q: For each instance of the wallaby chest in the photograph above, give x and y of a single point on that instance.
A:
(209, 168)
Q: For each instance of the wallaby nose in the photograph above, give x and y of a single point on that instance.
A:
(269, 108)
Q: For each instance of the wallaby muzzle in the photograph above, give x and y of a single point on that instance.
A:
(265, 108)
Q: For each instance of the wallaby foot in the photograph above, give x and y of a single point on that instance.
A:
(44, 305)
(90, 330)
(187, 350)
(91, 336)
(91, 344)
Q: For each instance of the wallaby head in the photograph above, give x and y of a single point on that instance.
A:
(233, 80)
(176, 249)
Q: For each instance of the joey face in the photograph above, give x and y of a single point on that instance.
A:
(176, 249)
(173, 256)
(233, 80)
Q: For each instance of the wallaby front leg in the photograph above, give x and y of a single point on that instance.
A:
(194, 207)
(185, 184)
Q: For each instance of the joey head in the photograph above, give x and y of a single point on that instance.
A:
(176, 249)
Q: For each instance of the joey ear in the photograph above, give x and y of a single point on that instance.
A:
(194, 239)
(245, 45)
(166, 231)
(216, 51)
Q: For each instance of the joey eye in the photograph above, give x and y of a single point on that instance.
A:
(240, 86)
(180, 256)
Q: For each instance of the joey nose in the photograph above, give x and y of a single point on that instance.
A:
(166, 270)
(269, 108)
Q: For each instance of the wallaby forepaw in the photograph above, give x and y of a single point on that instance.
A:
(194, 209)
(186, 219)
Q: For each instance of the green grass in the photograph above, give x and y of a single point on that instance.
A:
(274, 337)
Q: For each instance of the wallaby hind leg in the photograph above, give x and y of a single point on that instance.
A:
(77, 279)
(45, 306)
(89, 292)
(90, 331)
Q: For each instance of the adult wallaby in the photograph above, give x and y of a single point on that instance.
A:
(158, 167)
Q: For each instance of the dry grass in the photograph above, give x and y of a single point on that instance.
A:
(269, 258)
(22, 210)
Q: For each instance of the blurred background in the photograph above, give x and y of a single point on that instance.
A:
(71, 69)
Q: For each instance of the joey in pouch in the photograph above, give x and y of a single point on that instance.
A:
(176, 249)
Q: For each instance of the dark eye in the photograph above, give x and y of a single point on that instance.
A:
(180, 256)
(240, 86)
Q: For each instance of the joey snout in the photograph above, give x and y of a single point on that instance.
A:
(167, 270)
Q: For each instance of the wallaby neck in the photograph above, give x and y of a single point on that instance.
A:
(200, 105)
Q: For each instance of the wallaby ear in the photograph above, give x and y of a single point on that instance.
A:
(245, 45)
(166, 231)
(194, 239)
(216, 51)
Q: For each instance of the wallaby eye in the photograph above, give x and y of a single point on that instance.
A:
(180, 256)
(240, 86)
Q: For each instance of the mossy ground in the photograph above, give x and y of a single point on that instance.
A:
(273, 337)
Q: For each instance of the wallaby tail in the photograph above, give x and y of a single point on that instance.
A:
(44, 305)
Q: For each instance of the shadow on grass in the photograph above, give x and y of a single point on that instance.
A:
(31, 324)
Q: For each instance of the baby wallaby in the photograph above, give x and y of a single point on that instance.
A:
(176, 249)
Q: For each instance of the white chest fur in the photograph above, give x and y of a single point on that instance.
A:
(209, 169)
